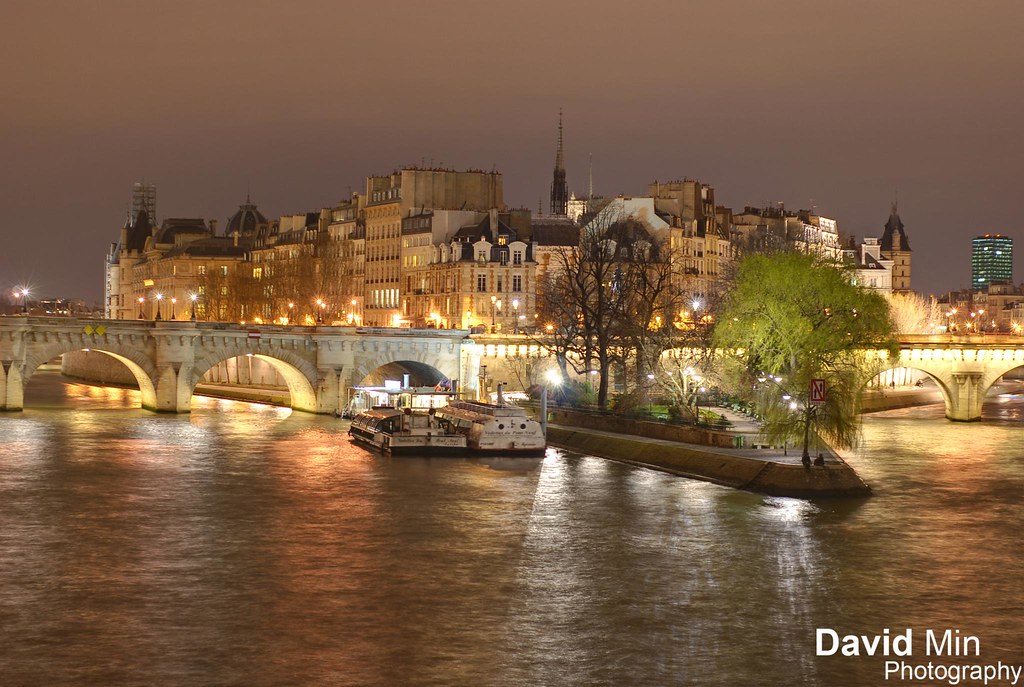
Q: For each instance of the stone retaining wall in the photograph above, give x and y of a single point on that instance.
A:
(730, 470)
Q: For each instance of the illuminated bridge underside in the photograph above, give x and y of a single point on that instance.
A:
(168, 358)
(964, 368)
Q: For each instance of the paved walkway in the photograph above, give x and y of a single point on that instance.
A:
(792, 455)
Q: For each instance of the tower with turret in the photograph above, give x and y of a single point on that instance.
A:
(895, 247)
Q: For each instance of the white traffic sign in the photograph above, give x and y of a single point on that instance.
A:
(818, 392)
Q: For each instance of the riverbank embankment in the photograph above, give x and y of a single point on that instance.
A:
(773, 472)
(738, 458)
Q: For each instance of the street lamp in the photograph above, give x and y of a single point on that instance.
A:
(142, 315)
(320, 314)
(159, 297)
(23, 293)
(194, 297)
(494, 300)
(515, 314)
(174, 308)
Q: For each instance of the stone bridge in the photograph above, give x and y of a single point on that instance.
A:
(168, 358)
(963, 367)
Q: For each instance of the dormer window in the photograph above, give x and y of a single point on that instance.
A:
(502, 239)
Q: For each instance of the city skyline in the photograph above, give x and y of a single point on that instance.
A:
(202, 110)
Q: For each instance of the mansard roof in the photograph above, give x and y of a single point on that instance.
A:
(555, 233)
(179, 226)
(482, 230)
(212, 247)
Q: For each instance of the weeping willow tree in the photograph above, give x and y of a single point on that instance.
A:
(790, 319)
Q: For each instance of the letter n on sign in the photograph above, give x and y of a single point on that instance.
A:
(818, 392)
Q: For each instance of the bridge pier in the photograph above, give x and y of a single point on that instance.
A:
(328, 392)
(14, 387)
(167, 396)
(966, 395)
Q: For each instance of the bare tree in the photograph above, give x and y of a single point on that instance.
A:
(914, 314)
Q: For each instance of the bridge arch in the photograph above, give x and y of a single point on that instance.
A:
(421, 374)
(963, 375)
(137, 362)
(299, 374)
(421, 359)
(941, 383)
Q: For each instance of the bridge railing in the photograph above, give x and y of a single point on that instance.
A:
(956, 339)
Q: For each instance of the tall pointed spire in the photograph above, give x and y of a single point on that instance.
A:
(560, 155)
(590, 183)
(559, 189)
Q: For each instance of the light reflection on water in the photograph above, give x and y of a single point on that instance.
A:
(251, 545)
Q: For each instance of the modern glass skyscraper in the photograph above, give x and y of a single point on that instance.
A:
(991, 260)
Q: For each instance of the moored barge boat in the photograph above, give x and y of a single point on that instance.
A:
(494, 427)
(415, 431)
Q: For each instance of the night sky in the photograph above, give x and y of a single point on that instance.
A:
(835, 104)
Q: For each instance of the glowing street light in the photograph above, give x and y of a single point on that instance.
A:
(23, 294)
(159, 297)
(174, 308)
(194, 297)
(515, 313)
(142, 315)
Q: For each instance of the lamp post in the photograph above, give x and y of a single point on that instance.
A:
(159, 297)
(23, 294)
(320, 310)
(174, 308)
(515, 315)
(494, 300)
(194, 297)
(142, 315)
(650, 396)
(554, 379)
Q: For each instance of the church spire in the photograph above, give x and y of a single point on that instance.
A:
(559, 156)
(590, 182)
(559, 189)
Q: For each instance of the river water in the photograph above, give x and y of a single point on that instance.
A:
(249, 545)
